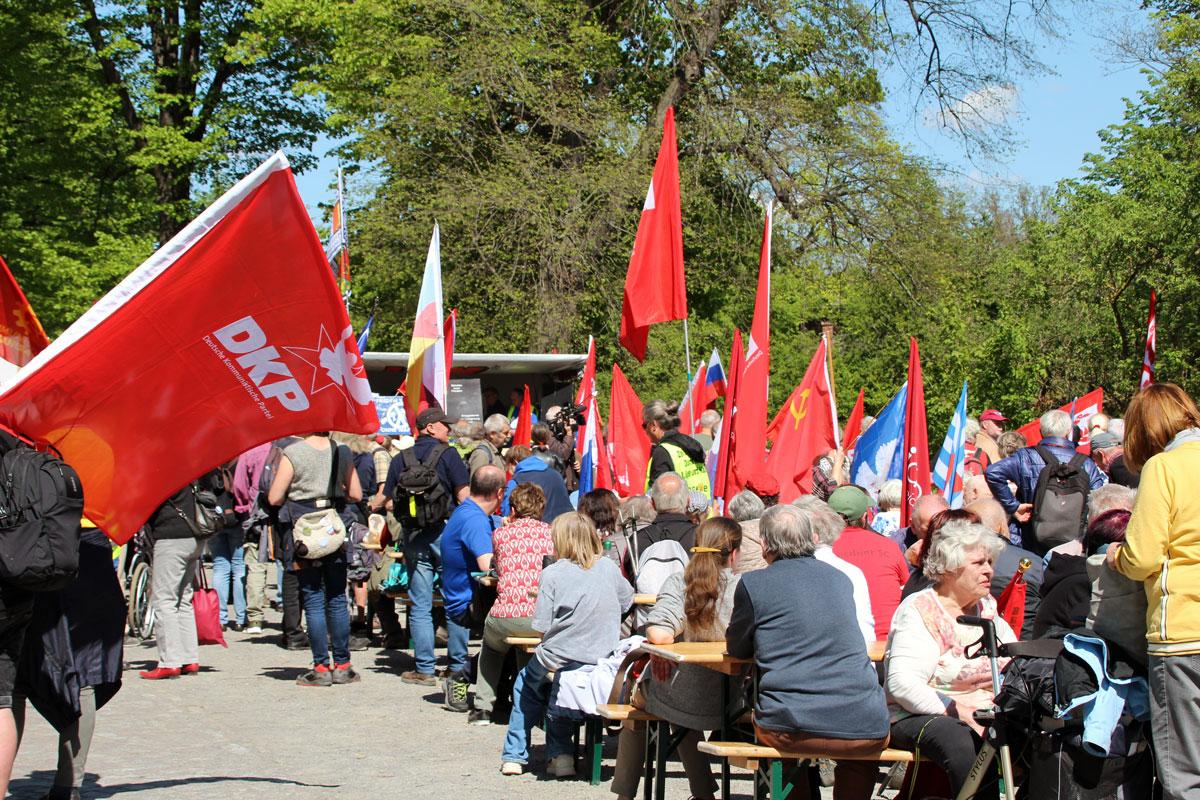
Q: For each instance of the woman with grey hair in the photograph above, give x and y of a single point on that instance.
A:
(887, 521)
(818, 691)
(746, 507)
(933, 688)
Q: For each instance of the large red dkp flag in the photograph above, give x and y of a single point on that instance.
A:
(231, 335)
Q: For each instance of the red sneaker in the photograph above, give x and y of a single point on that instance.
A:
(189, 669)
(158, 673)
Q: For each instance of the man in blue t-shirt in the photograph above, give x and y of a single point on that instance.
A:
(467, 548)
(421, 547)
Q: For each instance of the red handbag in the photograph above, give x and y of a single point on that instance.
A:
(207, 608)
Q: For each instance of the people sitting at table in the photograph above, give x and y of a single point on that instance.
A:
(581, 598)
(692, 606)
(519, 546)
(933, 688)
(818, 690)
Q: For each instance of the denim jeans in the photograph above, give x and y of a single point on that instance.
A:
(323, 592)
(228, 565)
(423, 556)
(531, 698)
(458, 632)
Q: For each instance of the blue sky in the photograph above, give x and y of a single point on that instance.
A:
(1054, 117)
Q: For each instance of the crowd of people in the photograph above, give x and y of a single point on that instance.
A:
(480, 538)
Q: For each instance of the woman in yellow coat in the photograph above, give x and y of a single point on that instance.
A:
(1162, 549)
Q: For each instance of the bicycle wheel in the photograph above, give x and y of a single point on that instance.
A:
(141, 610)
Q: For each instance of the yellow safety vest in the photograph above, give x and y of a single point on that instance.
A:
(695, 475)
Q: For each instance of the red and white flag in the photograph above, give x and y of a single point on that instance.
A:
(628, 444)
(654, 284)
(21, 335)
(1081, 410)
(587, 391)
(425, 383)
(916, 436)
(806, 427)
(1151, 346)
(232, 334)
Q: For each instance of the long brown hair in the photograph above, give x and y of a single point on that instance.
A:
(1154, 416)
(702, 577)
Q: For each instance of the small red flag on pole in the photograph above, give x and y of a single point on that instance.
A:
(523, 434)
(916, 437)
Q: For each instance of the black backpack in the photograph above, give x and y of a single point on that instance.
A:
(420, 500)
(41, 505)
(1060, 501)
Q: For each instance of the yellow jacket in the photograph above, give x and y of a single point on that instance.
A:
(1162, 549)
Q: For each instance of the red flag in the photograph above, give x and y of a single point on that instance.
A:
(728, 481)
(1151, 346)
(1011, 603)
(750, 425)
(449, 332)
(916, 436)
(523, 433)
(21, 335)
(1081, 409)
(807, 428)
(654, 284)
(853, 425)
(690, 410)
(231, 334)
(628, 444)
(587, 389)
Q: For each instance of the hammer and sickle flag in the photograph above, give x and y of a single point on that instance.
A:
(806, 427)
(230, 335)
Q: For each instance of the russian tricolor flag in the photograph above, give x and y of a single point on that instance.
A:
(714, 381)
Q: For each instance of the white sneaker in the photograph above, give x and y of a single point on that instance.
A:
(511, 768)
(253, 629)
(561, 767)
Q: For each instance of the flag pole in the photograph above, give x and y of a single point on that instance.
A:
(827, 333)
(687, 354)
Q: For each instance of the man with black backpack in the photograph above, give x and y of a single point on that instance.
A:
(424, 484)
(1053, 482)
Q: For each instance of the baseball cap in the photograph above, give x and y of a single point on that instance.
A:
(850, 502)
(763, 484)
(1104, 440)
(992, 415)
(432, 415)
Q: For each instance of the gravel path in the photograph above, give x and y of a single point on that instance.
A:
(242, 729)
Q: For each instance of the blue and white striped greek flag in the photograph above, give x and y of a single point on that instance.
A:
(948, 472)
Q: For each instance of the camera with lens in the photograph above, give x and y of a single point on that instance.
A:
(570, 411)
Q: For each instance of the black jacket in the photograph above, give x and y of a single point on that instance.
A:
(668, 525)
(1066, 597)
(660, 459)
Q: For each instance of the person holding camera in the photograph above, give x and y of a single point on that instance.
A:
(564, 425)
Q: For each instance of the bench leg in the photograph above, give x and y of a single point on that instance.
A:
(593, 734)
(662, 752)
(649, 774)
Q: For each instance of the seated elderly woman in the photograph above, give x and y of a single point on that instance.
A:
(818, 691)
(887, 521)
(692, 606)
(933, 688)
(746, 507)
